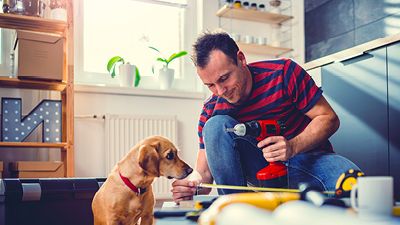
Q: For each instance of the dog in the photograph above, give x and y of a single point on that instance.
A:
(126, 196)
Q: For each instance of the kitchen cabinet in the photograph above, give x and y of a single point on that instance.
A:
(65, 86)
(393, 56)
(357, 90)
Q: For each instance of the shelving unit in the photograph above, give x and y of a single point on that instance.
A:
(262, 49)
(66, 87)
(256, 16)
(252, 15)
(32, 84)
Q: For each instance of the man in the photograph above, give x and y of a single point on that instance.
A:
(274, 89)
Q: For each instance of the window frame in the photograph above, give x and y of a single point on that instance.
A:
(188, 80)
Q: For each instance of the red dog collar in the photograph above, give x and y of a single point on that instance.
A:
(132, 186)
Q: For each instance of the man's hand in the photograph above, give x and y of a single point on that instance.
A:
(276, 148)
(183, 190)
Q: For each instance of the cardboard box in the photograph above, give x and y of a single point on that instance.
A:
(40, 56)
(1, 169)
(37, 169)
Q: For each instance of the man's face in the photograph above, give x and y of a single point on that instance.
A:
(226, 79)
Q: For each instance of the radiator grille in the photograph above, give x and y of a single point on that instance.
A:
(122, 132)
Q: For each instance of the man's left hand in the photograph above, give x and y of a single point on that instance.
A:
(276, 148)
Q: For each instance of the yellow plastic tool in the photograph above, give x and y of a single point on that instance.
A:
(264, 200)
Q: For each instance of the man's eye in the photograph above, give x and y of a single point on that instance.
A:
(223, 78)
(170, 156)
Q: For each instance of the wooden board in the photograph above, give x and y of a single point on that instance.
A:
(252, 15)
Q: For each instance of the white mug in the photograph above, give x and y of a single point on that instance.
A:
(235, 37)
(262, 40)
(248, 39)
(374, 197)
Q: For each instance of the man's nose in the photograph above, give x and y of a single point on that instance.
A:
(220, 90)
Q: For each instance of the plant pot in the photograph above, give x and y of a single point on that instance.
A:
(126, 75)
(166, 77)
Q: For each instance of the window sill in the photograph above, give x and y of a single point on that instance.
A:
(117, 90)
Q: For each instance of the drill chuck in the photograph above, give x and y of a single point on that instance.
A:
(239, 129)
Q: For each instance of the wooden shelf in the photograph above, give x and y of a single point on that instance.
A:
(6, 82)
(263, 49)
(252, 15)
(66, 87)
(31, 23)
(33, 145)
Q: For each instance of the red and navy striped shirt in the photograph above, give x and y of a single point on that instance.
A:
(282, 90)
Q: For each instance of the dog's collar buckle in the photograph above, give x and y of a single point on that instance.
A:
(141, 190)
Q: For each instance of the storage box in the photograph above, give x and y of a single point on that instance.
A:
(1, 169)
(37, 169)
(40, 56)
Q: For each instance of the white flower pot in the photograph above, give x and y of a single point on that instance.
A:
(127, 75)
(166, 77)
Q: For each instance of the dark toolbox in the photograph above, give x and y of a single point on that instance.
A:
(47, 201)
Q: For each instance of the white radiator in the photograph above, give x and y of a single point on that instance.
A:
(122, 132)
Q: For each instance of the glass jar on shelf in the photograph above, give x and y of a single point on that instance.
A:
(58, 10)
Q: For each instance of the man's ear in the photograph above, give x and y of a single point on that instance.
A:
(241, 59)
(149, 160)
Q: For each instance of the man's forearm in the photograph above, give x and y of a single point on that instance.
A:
(317, 131)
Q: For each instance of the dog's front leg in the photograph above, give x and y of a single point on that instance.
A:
(147, 219)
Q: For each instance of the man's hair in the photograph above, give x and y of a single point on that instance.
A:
(208, 42)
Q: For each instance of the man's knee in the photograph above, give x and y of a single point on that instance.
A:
(217, 125)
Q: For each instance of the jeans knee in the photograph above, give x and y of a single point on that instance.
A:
(216, 125)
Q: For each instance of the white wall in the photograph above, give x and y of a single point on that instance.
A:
(89, 133)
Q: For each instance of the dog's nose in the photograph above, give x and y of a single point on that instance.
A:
(189, 170)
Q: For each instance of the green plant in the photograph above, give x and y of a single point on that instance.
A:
(112, 63)
(167, 61)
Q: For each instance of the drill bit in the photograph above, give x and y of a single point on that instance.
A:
(230, 129)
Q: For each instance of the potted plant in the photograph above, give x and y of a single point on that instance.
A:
(128, 74)
(166, 75)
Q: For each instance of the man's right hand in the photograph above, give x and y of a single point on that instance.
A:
(183, 190)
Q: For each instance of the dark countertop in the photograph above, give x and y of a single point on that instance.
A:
(352, 52)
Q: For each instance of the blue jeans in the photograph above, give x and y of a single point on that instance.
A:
(235, 160)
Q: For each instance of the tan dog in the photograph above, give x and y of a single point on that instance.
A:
(117, 202)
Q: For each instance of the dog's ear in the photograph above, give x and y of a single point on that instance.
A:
(149, 160)
(156, 145)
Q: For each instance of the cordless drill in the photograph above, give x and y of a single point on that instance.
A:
(275, 174)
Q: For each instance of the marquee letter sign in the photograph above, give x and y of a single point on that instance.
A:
(14, 128)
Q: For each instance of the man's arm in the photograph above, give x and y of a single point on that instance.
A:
(324, 123)
(204, 170)
(185, 189)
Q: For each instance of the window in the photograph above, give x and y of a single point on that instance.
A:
(126, 28)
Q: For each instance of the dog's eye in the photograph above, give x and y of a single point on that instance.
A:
(170, 156)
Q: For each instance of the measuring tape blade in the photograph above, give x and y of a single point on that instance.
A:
(233, 187)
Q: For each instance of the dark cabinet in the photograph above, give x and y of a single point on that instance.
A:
(393, 56)
(357, 91)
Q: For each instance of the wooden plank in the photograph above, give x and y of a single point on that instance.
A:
(252, 15)
(32, 23)
(6, 82)
(69, 94)
(33, 144)
(263, 49)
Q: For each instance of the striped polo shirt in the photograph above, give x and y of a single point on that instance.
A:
(282, 90)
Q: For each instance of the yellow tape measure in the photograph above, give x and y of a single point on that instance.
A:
(232, 187)
(343, 186)
(346, 182)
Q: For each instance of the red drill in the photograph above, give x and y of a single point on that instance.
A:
(275, 174)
